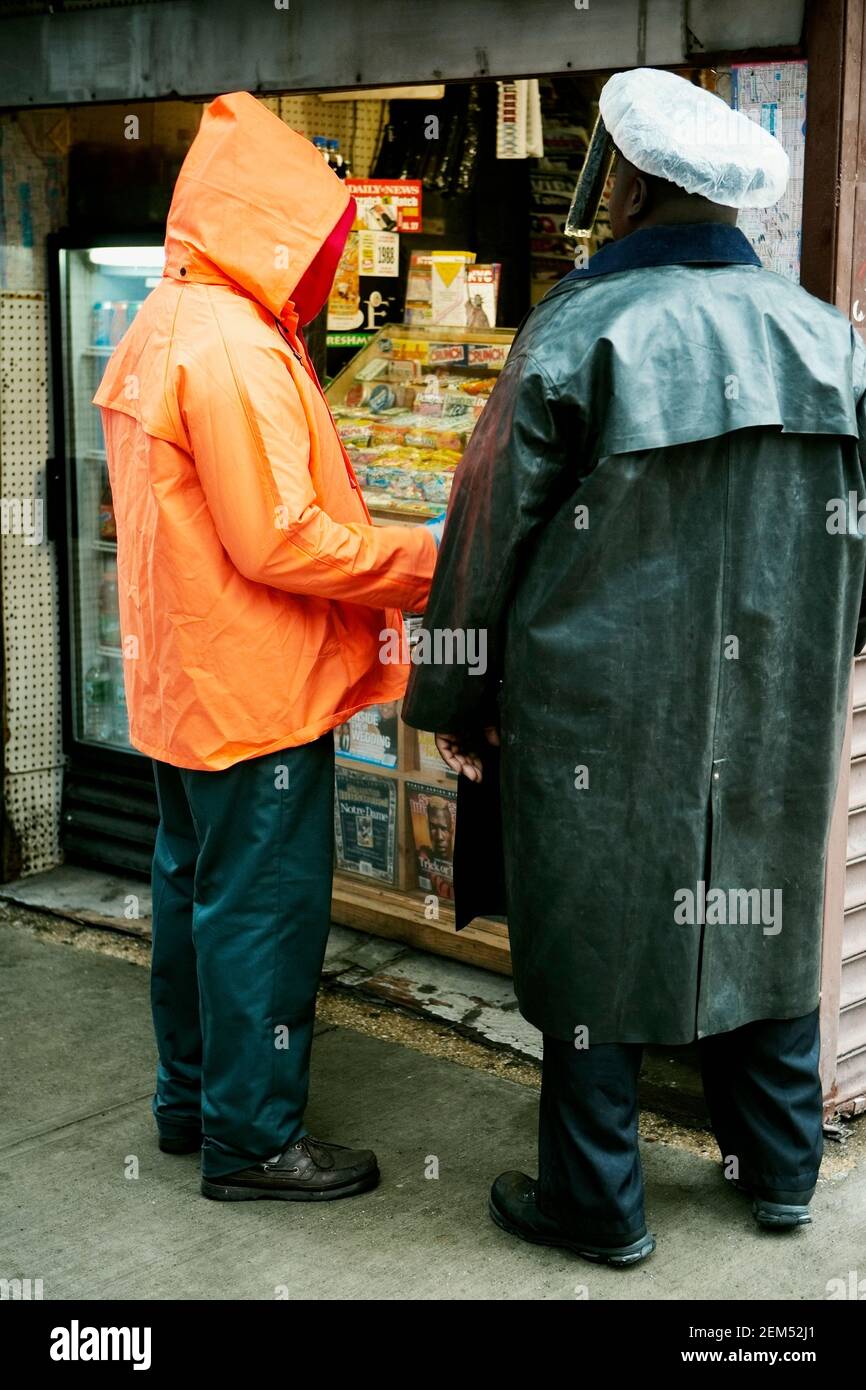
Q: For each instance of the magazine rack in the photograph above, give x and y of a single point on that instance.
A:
(405, 407)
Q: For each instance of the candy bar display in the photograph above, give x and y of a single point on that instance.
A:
(406, 407)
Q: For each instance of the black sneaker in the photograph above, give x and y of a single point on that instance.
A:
(514, 1209)
(308, 1171)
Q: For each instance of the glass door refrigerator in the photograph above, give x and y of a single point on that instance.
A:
(109, 812)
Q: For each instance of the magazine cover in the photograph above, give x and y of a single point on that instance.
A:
(429, 757)
(482, 289)
(365, 824)
(448, 286)
(387, 205)
(434, 816)
(344, 301)
(419, 289)
(370, 736)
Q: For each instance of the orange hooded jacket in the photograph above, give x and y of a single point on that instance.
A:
(253, 586)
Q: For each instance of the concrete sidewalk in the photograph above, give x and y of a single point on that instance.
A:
(78, 1062)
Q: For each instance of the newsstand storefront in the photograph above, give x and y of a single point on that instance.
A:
(463, 177)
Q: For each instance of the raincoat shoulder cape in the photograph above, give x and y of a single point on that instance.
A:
(253, 586)
(655, 526)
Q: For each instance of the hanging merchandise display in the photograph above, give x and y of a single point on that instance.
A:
(569, 112)
(518, 120)
(467, 165)
(441, 147)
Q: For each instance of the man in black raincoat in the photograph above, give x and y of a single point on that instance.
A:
(656, 527)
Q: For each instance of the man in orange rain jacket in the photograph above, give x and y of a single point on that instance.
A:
(253, 589)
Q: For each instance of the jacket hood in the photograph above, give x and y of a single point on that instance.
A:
(253, 204)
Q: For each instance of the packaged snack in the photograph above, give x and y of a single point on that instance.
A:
(355, 431)
(406, 393)
(436, 487)
(456, 403)
(382, 398)
(387, 433)
(402, 370)
(406, 349)
(378, 366)
(401, 457)
(360, 458)
(452, 439)
(405, 483)
(441, 458)
(488, 354)
(447, 352)
(422, 438)
(429, 405)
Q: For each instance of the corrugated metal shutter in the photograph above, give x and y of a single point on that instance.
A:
(851, 1043)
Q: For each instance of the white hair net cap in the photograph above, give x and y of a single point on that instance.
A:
(668, 127)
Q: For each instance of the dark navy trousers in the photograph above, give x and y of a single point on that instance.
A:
(241, 910)
(763, 1093)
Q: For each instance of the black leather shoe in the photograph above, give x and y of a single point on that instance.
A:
(309, 1171)
(186, 1144)
(514, 1209)
(778, 1211)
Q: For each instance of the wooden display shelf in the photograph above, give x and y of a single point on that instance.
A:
(398, 911)
(383, 515)
(399, 915)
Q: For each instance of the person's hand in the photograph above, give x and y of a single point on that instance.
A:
(461, 759)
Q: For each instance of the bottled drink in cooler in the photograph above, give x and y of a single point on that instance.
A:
(109, 616)
(107, 526)
(119, 321)
(98, 703)
(101, 329)
(121, 719)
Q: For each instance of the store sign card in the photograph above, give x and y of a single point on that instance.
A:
(378, 253)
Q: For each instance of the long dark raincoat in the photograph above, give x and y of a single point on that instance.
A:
(656, 525)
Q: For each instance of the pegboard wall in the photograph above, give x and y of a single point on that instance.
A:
(357, 125)
(33, 190)
(29, 582)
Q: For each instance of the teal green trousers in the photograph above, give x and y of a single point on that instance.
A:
(241, 908)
